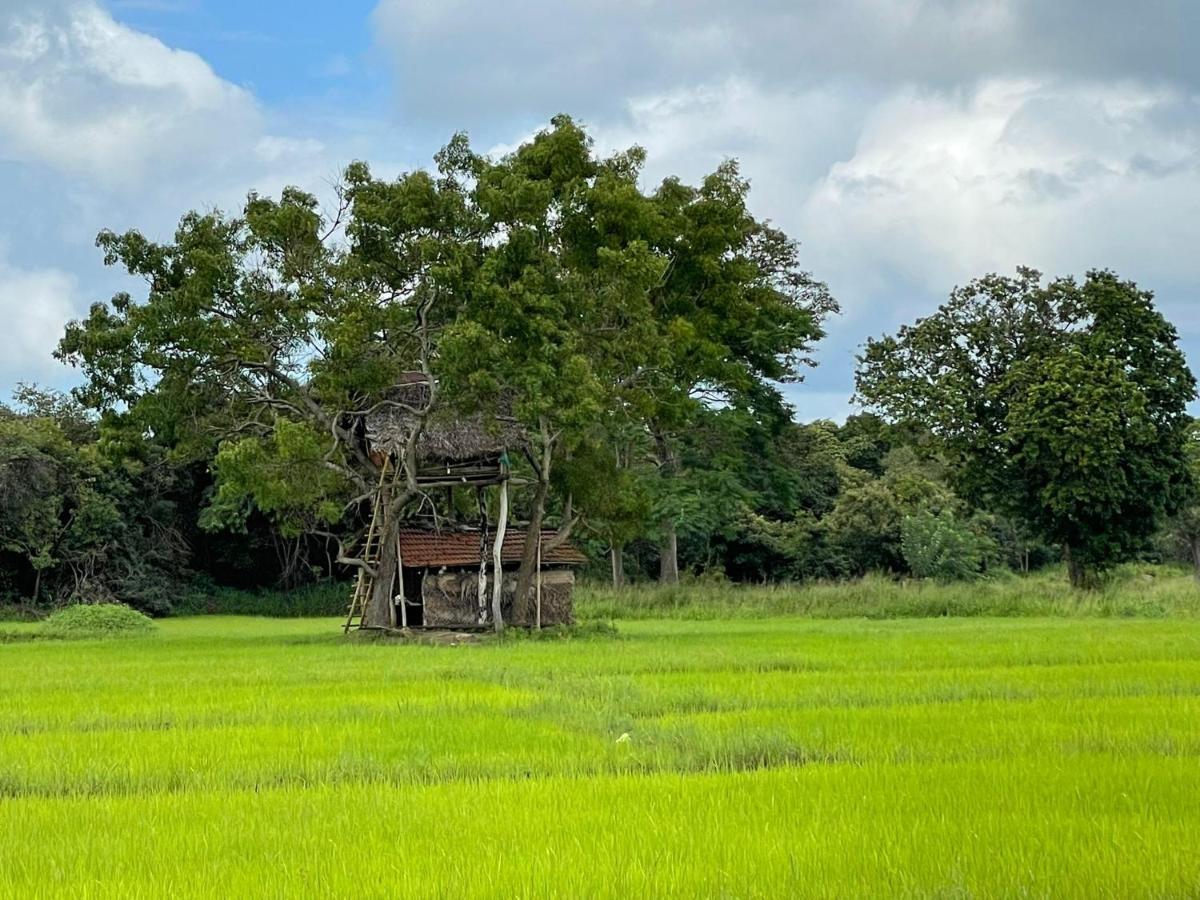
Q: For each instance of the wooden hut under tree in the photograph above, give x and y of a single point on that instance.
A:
(444, 575)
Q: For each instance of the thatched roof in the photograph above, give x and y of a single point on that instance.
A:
(447, 436)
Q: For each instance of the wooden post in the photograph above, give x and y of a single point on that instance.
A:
(539, 581)
(482, 598)
(400, 577)
(498, 559)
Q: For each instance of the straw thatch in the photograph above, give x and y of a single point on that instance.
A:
(446, 437)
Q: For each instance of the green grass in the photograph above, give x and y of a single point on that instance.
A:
(772, 757)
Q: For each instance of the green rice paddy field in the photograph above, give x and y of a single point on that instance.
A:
(765, 757)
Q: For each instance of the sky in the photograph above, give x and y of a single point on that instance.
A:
(909, 145)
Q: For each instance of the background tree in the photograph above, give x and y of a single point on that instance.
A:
(864, 530)
(78, 521)
(939, 545)
(736, 314)
(1061, 405)
(1183, 529)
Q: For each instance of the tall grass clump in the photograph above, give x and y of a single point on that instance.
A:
(324, 598)
(1134, 592)
(102, 620)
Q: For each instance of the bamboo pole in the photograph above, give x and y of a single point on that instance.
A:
(498, 559)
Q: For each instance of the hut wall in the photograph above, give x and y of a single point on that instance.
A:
(557, 605)
(451, 598)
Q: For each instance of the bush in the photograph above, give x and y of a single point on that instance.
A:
(937, 545)
(101, 620)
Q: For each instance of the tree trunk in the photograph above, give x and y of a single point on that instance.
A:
(521, 604)
(481, 597)
(668, 560)
(529, 555)
(1195, 542)
(617, 554)
(381, 608)
(1080, 575)
(538, 579)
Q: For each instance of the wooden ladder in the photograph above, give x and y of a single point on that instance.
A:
(365, 581)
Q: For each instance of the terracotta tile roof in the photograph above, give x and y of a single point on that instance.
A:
(458, 548)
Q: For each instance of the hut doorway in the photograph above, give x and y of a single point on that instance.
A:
(412, 582)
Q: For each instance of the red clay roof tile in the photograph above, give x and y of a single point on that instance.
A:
(419, 549)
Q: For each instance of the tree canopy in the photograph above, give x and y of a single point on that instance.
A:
(1062, 404)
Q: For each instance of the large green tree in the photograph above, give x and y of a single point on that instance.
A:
(560, 318)
(1183, 529)
(736, 315)
(1061, 404)
(544, 286)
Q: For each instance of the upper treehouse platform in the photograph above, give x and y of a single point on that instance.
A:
(470, 449)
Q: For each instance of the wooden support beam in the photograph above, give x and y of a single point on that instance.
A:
(400, 593)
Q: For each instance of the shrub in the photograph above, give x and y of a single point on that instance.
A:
(97, 621)
(937, 545)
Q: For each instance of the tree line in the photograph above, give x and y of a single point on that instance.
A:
(637, 338)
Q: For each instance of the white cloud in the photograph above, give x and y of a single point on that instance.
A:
(909, 144)
(102, 126)
(85, 94)
(1064, 177)
(36, 304)
(475, 63)
(898, 196)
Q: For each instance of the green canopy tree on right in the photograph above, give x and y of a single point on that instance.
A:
(1063, 405)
